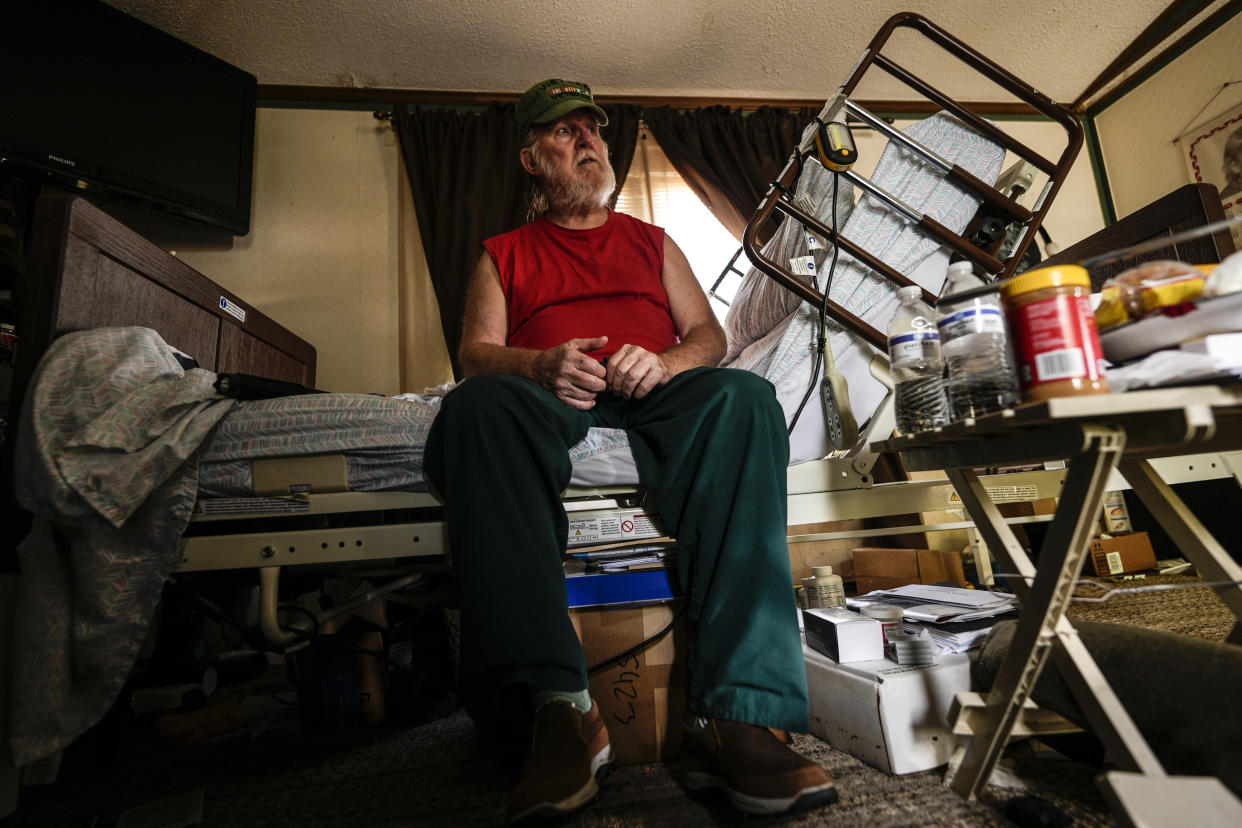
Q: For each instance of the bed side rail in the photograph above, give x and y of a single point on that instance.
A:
(995, 204)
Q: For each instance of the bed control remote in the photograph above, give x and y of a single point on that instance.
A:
(251, 387)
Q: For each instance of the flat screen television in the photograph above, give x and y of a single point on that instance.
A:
(101, 102)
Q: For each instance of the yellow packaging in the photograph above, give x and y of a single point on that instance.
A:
(1112, 310)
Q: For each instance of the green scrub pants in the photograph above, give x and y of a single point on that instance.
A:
(711, 450)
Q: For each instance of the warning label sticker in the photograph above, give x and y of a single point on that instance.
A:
(1003, 494)
(250, 506)
(610, 528)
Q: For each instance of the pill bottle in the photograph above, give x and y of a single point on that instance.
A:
(829, 589)
(1055, 339)
(889, 617)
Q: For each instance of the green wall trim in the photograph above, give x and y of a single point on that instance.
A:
(1092, 140)
(1218, 18)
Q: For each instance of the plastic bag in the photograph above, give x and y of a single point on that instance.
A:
(1140, 290)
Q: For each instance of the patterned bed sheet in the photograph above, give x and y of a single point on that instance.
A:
(382, 439)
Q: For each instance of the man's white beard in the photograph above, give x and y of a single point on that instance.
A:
(573, 194)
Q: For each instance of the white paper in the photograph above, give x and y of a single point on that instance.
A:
(955, 596)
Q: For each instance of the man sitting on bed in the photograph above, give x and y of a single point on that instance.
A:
(587, 317)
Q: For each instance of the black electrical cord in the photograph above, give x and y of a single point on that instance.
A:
(821, 339)
(638, 648)
(306, 635)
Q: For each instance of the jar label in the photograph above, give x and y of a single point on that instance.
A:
(1056, 339)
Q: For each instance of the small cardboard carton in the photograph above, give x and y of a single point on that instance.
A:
(881, 568)
(843, 635)
(892, 717)
(1119, 554)
(642, 697)
(1116, 516)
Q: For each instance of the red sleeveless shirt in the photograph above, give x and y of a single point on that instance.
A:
(606, 281)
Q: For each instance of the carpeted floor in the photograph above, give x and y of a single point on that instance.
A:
(441, 774)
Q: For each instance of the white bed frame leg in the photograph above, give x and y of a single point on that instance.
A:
(269, 609)
(269, 599)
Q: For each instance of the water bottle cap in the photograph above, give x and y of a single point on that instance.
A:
(821, 571)
(910, 290)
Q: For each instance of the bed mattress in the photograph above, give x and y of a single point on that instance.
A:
(382, 439)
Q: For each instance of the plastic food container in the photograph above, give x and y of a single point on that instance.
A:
(1055, 339)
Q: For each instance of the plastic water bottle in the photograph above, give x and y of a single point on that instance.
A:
(980, 374)
(914, 350)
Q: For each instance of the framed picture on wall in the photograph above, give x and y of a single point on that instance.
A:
(1213, 152)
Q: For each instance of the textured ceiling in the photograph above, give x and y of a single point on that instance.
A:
(773, 49)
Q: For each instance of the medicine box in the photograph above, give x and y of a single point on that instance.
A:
(891, 717)
(1116, 517)
(843, 635)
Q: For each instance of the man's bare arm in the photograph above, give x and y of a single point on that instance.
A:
(565, 370)
(633, 371)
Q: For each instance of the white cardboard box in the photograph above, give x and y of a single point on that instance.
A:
(892, 717)
(843, 635)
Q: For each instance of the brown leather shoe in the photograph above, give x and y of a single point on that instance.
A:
(569, 753)
(755, 770)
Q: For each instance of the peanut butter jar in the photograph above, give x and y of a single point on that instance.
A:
(1055, 340)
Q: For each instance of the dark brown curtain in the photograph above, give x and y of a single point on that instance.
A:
(468, 186)
(728, 159)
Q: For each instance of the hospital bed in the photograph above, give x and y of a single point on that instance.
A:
(90, 272)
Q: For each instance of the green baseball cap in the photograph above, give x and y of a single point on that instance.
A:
(551, 99)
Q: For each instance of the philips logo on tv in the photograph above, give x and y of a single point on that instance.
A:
(60, 160)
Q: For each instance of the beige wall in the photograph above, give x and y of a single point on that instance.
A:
(1137, 132)
(323, 253)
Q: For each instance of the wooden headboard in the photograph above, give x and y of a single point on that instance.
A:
(1183, 209)
(88, 270)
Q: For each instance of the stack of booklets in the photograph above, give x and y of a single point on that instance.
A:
(955, 618)
(631, 573)
(632, 557)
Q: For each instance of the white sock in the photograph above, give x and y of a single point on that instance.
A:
(580, 699)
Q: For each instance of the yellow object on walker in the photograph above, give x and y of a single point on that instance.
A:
(835, 145)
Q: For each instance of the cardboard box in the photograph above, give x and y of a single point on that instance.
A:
(843, 635)
(642, 699)
(880, 568)
(835, 553)
(1122, 553)
(1028, 508)
(891, 717)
